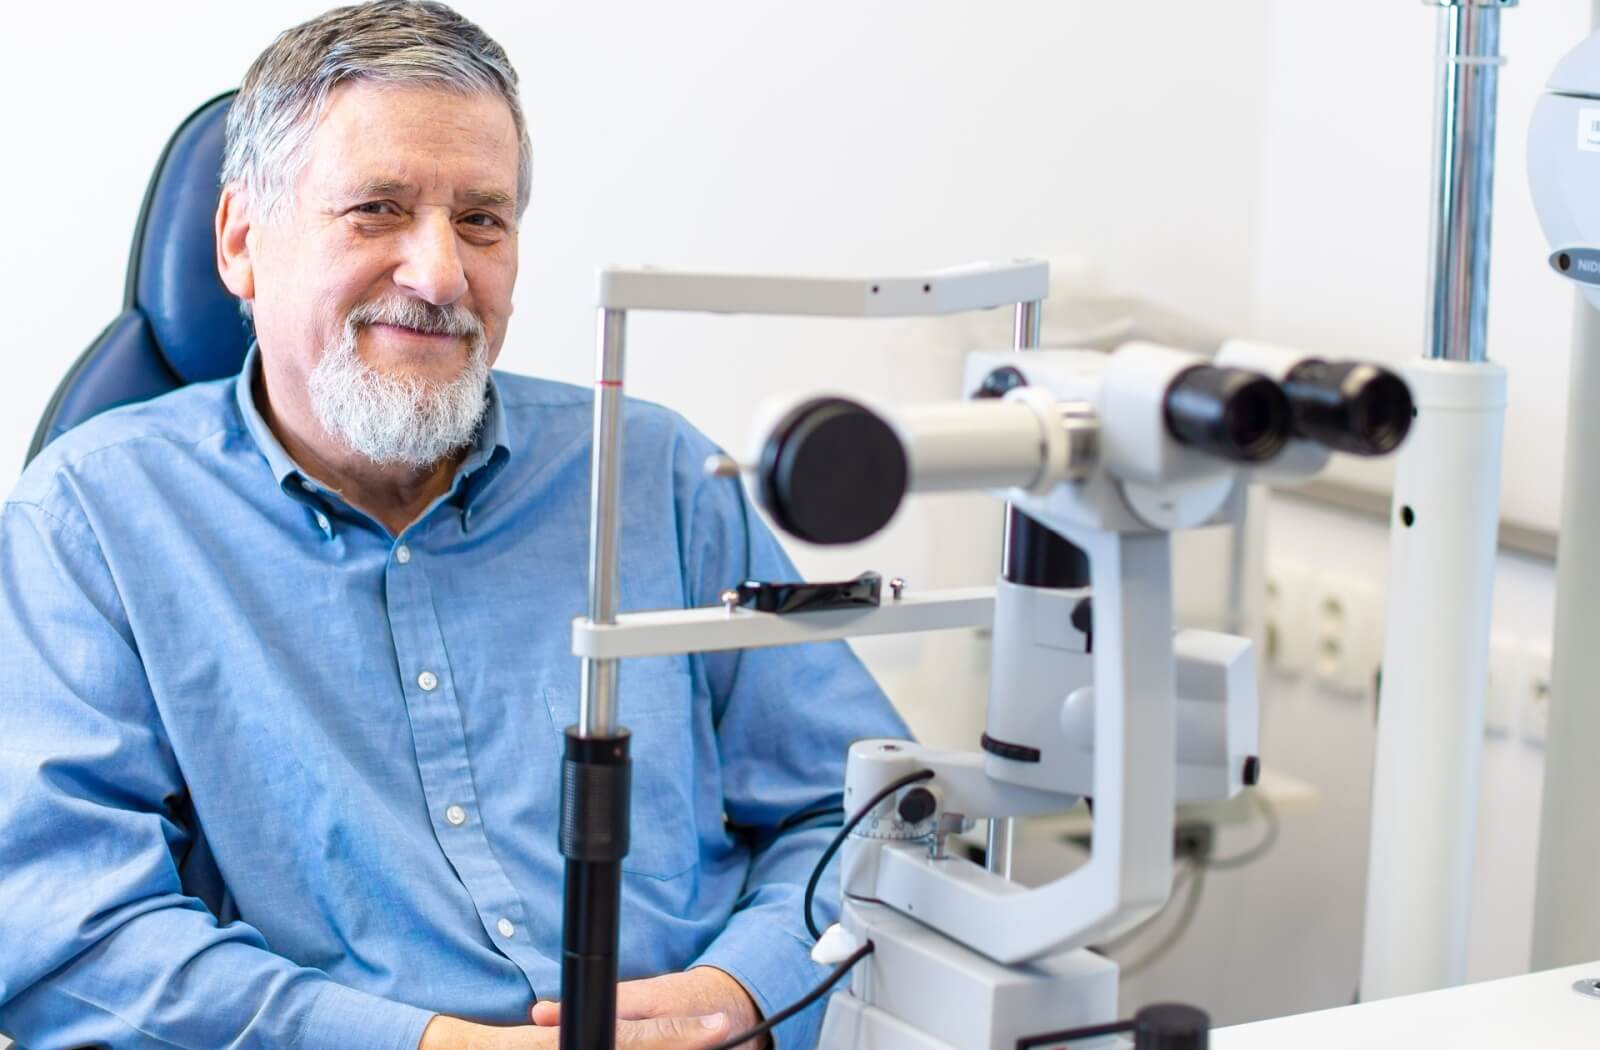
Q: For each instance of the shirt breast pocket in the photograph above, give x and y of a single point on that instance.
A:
(658, 708)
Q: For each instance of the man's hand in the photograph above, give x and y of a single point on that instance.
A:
(695, 993)
(659, 1033)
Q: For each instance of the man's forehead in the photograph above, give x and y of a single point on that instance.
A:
(408, 139)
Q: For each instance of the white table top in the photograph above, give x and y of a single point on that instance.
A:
(1535, 1012)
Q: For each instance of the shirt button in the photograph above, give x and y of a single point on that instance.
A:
(457, 816)
(427, 680)
(322, 521)
(402, 554)
(308, 486)
(505, 927)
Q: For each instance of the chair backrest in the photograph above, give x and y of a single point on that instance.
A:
(179, 324)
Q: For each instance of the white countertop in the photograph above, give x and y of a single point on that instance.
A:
(1535, 1012)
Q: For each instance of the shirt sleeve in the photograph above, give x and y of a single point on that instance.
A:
(101, 946)
(785, 720)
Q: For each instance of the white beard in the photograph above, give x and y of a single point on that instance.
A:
(395, 420)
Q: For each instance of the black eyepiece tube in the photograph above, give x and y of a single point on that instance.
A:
(1228, 412)
(1349, 407)
(832, 472)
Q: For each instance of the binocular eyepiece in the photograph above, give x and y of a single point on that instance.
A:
(1229, 412)
(1349, 407)
(1245, 417)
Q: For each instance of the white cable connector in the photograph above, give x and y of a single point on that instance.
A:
(834, 946)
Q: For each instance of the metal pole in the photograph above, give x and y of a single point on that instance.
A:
(596, 770)
(1467, 94)
(1441, 556)
(1025, 325)
(597, 713)
(1024, 336)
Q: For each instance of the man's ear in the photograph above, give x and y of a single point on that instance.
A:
(234, 263)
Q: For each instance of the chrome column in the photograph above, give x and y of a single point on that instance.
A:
(597, 715)
(1024, 336)
(1467, 93)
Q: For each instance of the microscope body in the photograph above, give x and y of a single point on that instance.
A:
(1093, 692)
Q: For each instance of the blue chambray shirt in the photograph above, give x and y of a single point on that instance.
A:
(271, 777)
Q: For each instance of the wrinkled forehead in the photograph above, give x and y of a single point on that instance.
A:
(425, 141)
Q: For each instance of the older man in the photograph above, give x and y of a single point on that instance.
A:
(285, 660)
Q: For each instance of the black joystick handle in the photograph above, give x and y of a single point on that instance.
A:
(832, 472)
(1171, 1026)
(1351, 407)
(1229, 412)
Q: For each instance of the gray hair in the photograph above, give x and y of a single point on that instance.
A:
(388, 41)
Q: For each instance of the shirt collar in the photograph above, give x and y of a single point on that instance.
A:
(490, 448)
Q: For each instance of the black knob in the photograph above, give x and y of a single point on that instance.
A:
(999, 383)
(1351, 407)
(1171, 1026)
(1228, 412)
(832, 472)
(917, 805)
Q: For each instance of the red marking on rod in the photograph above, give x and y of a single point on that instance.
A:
(608, 382)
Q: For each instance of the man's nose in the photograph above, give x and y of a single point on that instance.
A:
(430, 267)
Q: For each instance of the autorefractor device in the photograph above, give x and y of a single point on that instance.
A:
(1095, 694)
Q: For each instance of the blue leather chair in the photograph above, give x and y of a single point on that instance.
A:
(178, 324)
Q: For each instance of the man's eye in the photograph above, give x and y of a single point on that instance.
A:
(481, 219)
(377, 208)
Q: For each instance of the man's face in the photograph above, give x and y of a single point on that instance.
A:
(386, 280)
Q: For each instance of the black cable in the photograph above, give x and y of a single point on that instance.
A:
(1092, 1031)
(844, 833)
(795, 819)
(789, 1011)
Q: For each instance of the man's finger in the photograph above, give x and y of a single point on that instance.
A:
(636, 1000)
(673, 1033)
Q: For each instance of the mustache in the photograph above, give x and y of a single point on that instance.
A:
(418, 314)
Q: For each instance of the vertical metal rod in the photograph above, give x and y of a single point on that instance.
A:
(597, 713)
(595, 785)
(997, 850)
(1464, 131)
(1425, 780)
(1025, 325)
(1024, 336)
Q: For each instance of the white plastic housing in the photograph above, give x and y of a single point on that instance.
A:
(1435, 673)
(1564, 161)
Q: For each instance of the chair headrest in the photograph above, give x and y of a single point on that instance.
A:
(172, 272)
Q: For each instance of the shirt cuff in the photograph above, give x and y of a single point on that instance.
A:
(341, 1018)
(776, 969)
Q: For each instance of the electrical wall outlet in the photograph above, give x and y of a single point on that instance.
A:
(1345, 632)
(1533, 691)
(1286, 646)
